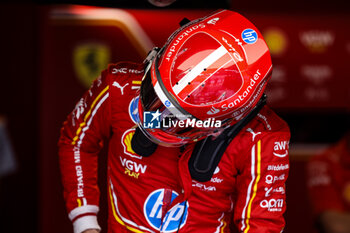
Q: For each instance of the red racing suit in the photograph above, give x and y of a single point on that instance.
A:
(156, 193)
(329, 179)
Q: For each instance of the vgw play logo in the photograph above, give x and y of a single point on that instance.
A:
(173, 220)
(152, 120)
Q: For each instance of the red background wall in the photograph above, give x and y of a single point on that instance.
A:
(40, 86)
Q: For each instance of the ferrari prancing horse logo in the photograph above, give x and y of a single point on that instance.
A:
(89, 60)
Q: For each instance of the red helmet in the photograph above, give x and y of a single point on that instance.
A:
(213, 69)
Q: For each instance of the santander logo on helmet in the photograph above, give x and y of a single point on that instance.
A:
(217, 66)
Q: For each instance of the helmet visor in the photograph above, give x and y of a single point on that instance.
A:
(164, 123)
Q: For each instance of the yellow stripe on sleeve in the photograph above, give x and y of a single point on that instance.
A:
(79, 202)
(87, 115)
(223, 227)
(258, 171)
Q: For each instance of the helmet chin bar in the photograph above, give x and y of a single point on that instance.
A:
(207, 152)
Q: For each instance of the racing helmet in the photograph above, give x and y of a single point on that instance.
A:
(209, 75)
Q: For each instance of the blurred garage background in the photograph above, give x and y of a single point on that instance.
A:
(52, 50)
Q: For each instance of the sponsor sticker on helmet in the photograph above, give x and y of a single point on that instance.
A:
(213, 21)
(173, 219)
(213, 111)
(249, 36)
(167, 103)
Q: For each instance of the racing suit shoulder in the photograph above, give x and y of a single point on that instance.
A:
(124, 78)
(261, 155)
(268, 121)
(124, 71)
(266, 124)
(125, 81)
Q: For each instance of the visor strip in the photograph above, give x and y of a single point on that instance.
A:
(167, 103)
(198, 69)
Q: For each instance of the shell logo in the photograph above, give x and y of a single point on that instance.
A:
(126, 142)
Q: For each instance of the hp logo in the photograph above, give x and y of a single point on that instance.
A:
(174, 219)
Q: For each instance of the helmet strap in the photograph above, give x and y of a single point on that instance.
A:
(184, 21)
(142, 145)
(208, 152)
(151, 55)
